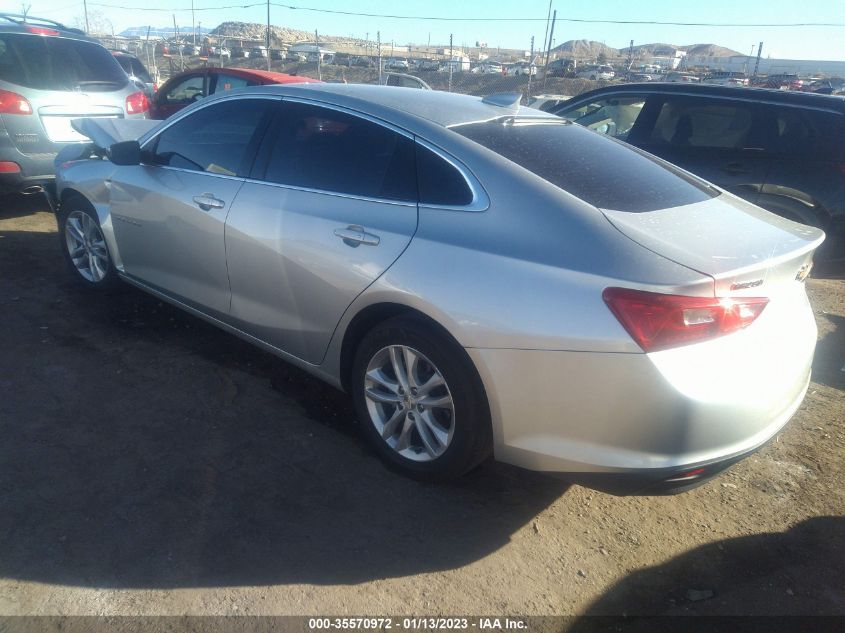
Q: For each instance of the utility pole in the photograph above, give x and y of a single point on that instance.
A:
(319, 56)
(759, 53)
(451, 61)
(85, 8)
(546, 34)
(378, 43)
(549, 46)
(630, 56)
(193, 23)
(530, 68)
(268, 34)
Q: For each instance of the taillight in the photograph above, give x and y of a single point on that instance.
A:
(40, 30)
(13, 103)
(657, 321)
(136, 103)
(9, 167)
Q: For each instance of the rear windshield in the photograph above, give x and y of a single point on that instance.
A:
(56, 63)
(605, 173)
(134, 68)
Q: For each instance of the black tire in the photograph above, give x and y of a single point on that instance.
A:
(472, 439)
(74, 207)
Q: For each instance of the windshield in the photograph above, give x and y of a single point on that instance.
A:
(56, 63)
(605, 173)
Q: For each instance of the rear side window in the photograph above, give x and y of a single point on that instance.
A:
(57, 63)
(439, 182)
(215, 139)
(598, 170)
(323, 149)
(230, 82)
(702, 123)
(814, 134)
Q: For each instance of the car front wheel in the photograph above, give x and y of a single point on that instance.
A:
(420, 401)
(84, 246)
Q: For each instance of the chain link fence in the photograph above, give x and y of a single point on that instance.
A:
(364, 69)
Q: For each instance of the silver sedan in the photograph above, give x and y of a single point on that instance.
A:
(482, 278)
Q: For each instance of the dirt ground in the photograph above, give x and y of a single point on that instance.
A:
(151, 464)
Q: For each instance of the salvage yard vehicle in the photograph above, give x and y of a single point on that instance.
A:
(467, 271)
(190, 86)
(781, 150)
(50, 74)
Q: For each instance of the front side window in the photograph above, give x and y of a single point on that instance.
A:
(699, 123)
(186, 91)
(614, 116)
(215, 139)
(323, 149)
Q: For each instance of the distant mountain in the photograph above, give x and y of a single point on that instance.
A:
(584, 49)
(279, 35)
(658, 50)
(165, 32)
(590, 50)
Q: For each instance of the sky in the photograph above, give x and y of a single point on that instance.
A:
(517, 21)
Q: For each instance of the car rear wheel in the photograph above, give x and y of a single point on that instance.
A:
(84, 246)
(420, 401)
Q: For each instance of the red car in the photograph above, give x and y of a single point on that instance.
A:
(183, 89)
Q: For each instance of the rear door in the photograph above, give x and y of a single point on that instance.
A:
(169, 213)
(224, 82)
(720, 140)
(331, 204)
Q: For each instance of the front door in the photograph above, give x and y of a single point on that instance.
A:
(169, 214)
(332, 203)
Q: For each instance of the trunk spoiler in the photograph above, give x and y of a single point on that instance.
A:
(105, 132)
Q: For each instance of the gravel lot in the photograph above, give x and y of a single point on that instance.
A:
(151, 464)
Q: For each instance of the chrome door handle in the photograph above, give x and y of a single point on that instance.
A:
(355, 235)
(207, 202)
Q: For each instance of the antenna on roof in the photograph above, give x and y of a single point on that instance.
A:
(508, 100)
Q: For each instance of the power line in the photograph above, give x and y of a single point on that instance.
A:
(437, 18)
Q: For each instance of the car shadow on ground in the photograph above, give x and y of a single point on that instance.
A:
(144, 448)
(798, 572)
(829, 361)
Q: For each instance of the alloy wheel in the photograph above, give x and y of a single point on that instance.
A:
(409, 403)
(86, 246)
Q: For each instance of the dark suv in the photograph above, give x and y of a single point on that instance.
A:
(49, 75)
(781, 150)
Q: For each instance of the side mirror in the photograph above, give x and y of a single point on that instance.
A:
(125, 153)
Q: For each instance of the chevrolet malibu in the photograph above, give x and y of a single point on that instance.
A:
(482, 278)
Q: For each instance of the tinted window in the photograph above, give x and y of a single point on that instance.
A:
(811, 133)
(140, 71)
(614, 116)
(439, 182)
(213, 139)
(319, 148)
(703, 123)
(56, 63)
(600, 171)
(230, 82)
(186, 91)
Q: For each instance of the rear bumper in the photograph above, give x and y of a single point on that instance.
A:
(634, 423)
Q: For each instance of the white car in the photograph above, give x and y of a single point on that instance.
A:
(547, 102)
(604, 72)
(397, 63)
(522, 68)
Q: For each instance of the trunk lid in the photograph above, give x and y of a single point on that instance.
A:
(746, 250)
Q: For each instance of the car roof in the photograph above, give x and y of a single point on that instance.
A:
(15, 23)
(786, 97)
(264, 76)
(442, 108)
